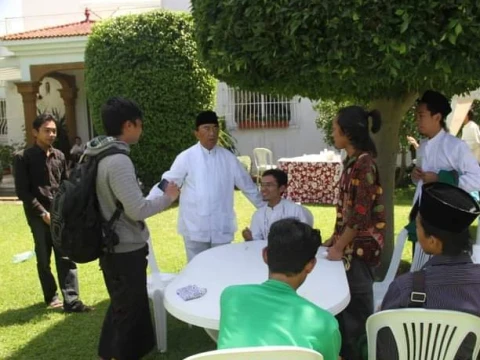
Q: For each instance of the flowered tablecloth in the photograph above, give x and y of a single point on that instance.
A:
(312, 182)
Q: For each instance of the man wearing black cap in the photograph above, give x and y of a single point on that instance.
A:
(450, 280)
(441, 157)
(207, 175)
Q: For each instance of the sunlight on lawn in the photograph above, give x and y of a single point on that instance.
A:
(29, 331)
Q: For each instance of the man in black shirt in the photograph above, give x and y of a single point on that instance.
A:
(38, 173)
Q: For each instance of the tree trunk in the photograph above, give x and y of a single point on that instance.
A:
(386, 140)
(403, 166)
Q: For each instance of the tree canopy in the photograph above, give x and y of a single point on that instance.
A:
(333, 49)
(150, 58)
(381, 53)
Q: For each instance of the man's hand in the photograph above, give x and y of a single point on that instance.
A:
(412, 141)
(329, 242)
(417, 174)
(172, 191)
(247, 234)
(334, 253)
(46, 218)
(429, 177)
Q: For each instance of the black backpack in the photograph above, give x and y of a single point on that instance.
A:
(78, 228)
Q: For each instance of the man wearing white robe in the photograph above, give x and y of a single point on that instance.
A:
(273, 185)
(471, 135)
(207, 175)
(441, 156)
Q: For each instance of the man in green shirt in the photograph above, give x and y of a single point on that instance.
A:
(273, 313)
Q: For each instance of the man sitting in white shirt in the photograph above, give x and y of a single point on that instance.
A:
(471, 135)
(273, 185)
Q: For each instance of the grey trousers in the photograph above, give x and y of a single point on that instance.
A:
(193, 248)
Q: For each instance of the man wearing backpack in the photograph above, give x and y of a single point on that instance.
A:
(127, 331)
(38, 173)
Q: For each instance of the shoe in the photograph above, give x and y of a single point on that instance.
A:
(55, 304)
(78, 307)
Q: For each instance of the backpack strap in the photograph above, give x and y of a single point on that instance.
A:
(110, 237)
(418, 297)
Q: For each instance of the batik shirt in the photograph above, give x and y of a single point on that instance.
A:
(360, 201)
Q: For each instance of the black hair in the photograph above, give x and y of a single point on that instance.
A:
(78, 137)
(116, 112)
(470, 115)
(453, 244)
(436, 103)
(291, 245)
(354, 123)
(279, 175)
(42, 119)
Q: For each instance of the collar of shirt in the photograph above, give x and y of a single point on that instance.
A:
(436, 138)
(53, 153)
(449, 260)
(279, 286)
(208, 152)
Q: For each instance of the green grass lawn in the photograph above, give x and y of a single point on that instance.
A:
(29, 331)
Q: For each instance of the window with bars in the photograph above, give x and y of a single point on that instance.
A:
(252, 110)
(3, 118)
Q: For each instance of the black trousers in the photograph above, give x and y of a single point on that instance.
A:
(66, 269)
(127, 332)
(352, 320)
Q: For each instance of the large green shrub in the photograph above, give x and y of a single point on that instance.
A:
(152, 59)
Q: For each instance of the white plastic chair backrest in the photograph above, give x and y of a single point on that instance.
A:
(308, 215)
(421, 333)
(152, 261)
(260, 353)
(396, 257)
(419, 258)
(262, 157)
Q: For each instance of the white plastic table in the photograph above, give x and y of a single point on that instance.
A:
(242, 263)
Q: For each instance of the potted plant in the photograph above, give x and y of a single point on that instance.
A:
(6, 159)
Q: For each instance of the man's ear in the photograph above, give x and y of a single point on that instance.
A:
(310, 265)
(436, 244)
(438, 117)
(34, 133)
(264, 255)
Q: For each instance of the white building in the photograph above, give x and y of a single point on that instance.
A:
(43, 68)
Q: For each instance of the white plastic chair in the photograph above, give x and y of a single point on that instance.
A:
(477, 240)
(421, 334)
(380, 287)
(263, 161)
(420, 258)
(260, 353)
(308, 215)
(156, 283)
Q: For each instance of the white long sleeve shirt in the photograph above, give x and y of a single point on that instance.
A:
(207, 180)
(265, 216)
(446, 152)
(471, 135)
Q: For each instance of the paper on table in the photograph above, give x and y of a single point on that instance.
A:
(155, 192)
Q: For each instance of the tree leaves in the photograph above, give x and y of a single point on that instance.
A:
(310, 48)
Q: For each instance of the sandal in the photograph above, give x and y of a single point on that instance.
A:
(55, 304)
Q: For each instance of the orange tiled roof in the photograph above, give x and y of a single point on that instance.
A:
(83, 28)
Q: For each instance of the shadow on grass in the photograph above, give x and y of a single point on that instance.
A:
(22, 316)
(76, 336)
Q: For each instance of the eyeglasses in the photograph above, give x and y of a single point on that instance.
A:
(268, 184)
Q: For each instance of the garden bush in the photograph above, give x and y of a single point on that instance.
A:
(152, 59)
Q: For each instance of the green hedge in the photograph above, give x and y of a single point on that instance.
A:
(152, 59)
